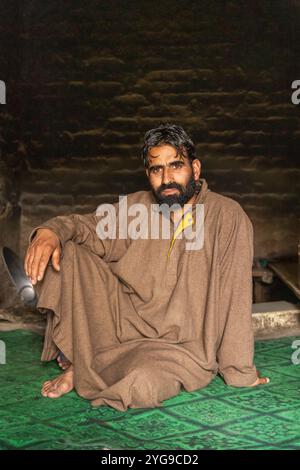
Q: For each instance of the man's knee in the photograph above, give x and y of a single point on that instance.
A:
(69, 247)
(72, 251)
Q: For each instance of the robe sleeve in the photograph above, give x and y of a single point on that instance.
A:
(236, 346)
(82, 229)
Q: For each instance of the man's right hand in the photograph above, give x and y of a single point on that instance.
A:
(44, 246)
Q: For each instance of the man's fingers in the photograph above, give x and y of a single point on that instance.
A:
(38, 254)
(43, 254)
(56, 258)
(35, 265)
(42, 265)
(30, 259)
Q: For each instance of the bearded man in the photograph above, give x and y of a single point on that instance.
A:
(133, 320)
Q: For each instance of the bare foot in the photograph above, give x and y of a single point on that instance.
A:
(63, 362)
(60, 385)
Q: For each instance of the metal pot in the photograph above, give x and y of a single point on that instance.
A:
(18, 277)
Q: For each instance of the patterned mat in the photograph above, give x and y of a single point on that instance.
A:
(217, 417)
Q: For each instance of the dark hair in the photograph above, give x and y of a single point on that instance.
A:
(168, 134)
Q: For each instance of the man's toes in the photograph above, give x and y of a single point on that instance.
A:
(45, 391)
(49, 385)
(54, 394)
(46, 387)
(50, 389)
(57, 390)
(59, 386)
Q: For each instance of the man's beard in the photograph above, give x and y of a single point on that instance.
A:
(181, 198)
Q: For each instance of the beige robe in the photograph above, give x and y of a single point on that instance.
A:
(138, 325)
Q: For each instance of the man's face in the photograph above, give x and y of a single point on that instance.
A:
(171, 176)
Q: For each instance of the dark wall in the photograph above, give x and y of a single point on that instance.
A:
(11, 139)
(95, 75)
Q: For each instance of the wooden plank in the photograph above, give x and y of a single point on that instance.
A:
(288, 272)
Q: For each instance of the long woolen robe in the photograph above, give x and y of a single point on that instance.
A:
(139, 325)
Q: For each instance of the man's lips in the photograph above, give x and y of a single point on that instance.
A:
(169, 191)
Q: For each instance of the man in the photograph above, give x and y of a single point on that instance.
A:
(137, 319)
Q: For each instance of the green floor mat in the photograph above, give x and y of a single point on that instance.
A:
(217, 417)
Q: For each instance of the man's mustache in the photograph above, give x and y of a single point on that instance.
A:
(169, 186)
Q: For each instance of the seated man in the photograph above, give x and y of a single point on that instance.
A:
(138, 318)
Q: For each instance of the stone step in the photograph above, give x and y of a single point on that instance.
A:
(269, 319)
(275, 319)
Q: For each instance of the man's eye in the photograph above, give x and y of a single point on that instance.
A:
(155, 170)
(177, 165)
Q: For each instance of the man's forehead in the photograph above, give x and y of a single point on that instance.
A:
(164, 153)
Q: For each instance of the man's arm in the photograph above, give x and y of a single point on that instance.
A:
(79, 228)
(236, 346)
(50, 238)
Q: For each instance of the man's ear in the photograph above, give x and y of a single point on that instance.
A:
(196, 164)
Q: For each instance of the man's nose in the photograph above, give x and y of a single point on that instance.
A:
(166, 176)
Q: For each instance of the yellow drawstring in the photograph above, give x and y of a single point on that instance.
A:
(187, 221)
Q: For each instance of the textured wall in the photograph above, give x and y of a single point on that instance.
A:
(95, 75)
(10, 139)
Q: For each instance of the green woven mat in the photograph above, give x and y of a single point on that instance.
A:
(217, 417)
